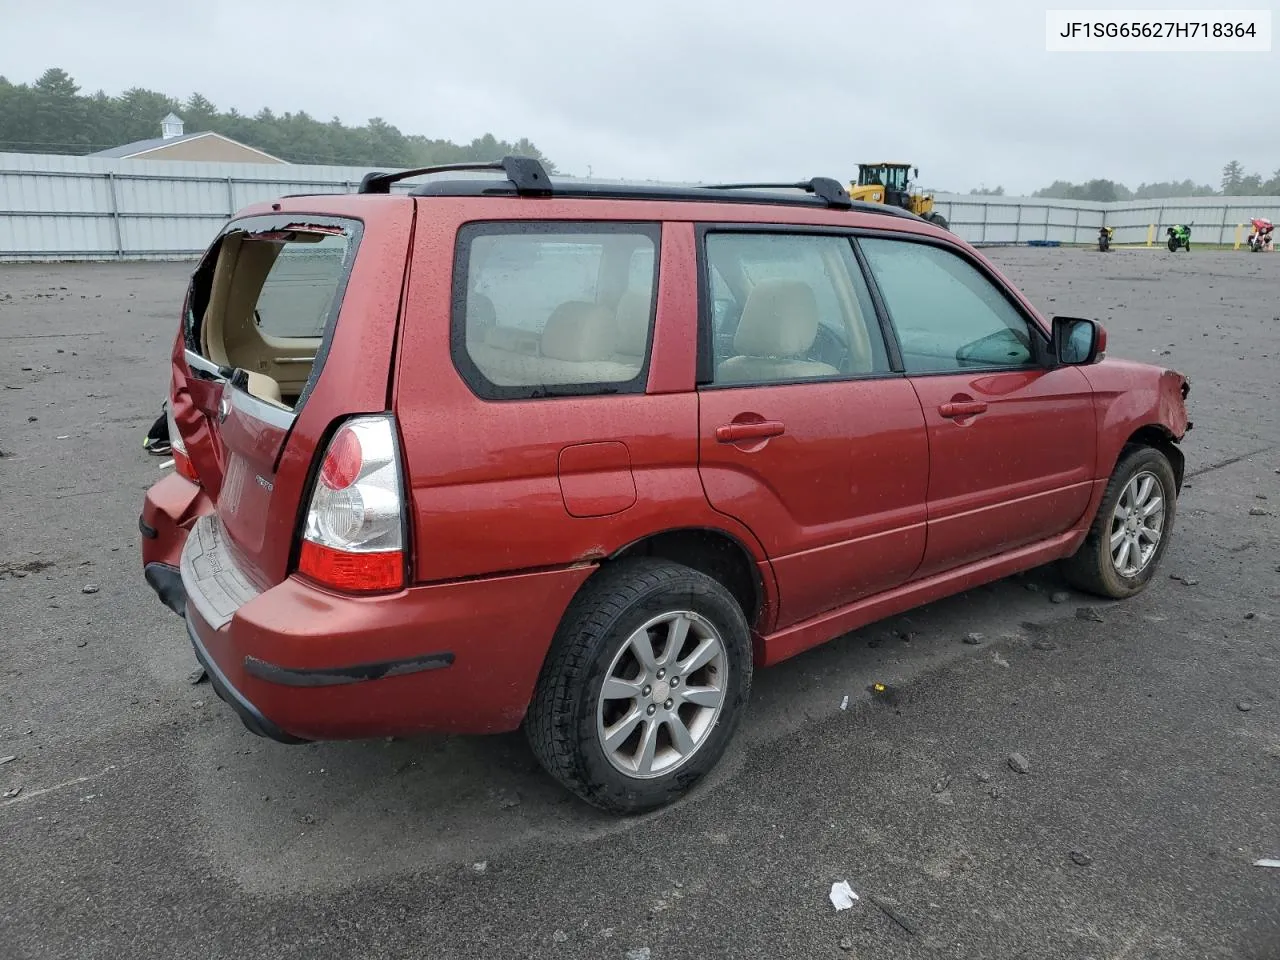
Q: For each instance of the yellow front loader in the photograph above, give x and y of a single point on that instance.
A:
(891, 183)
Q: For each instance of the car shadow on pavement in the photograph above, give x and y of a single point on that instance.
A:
(377, 807)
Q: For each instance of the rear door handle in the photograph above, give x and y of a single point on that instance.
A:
(760, 430)
(962, 408)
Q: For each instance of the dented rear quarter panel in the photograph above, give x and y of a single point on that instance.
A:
(1129, 396)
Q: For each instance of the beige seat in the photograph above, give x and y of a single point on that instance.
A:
(778, 326)
(578, 345)
(265, 388)
(632, 320)
(481, 316)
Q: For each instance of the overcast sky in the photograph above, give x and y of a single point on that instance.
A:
(700, 90)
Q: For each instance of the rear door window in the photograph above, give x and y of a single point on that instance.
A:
(789, 307)
(547, 309)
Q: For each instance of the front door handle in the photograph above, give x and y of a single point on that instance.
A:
(958, 409)
(759, 430)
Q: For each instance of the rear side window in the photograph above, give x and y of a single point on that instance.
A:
(552, 309)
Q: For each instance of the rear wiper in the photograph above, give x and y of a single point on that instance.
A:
(208, 370)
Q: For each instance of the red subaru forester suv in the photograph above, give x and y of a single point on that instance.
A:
(507, 450)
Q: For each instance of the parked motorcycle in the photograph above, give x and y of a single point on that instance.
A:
(1179, 237)
(1104, 238)
(1260, 238)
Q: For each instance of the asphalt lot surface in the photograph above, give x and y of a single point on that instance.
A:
(151, 824)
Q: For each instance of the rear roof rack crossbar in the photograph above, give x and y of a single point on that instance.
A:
(824, 188)
(527, 174)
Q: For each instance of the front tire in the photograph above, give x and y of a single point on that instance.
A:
(1129, 535)
(939, 220)
(645, 683)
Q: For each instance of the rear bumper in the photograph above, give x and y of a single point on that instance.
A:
(299, 663)
(250, 715)
(171, 506)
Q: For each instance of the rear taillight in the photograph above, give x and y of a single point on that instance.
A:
(178, 449)
(352, 539)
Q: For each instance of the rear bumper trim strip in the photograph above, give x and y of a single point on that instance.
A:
(333, 676)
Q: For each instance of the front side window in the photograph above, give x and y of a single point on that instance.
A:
(788, 307)
(948, 316)
(548, 309)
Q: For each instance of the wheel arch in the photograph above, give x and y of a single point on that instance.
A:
(1159, 437)
(710, 550)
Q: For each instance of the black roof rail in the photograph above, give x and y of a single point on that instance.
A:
(526, 173)
(826, 189)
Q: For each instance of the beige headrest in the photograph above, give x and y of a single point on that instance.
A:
(780, 319)
(633, 323)
(579, 331)
(480, 313)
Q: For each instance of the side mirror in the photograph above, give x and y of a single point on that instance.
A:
(915, 173)
(1078, 342)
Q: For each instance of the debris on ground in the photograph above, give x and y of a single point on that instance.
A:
(10, 794)
(4, 760)
(1259, 512)
(1250, 615)
(198, 675)
(1189, 581)
(889, 907)
(89, 588)
(1089, 613)
(1267, 862)
(844, 704)
(973, 639)
(842, 895)
(983, 776)
(1019, 764)
(1043, 645)
(1081, 859)
(480, 867)
(999, 661)
(559, 936)
(846, 944)
(1244, 706)
(638, 953)
(942, 784)
(1060, 597)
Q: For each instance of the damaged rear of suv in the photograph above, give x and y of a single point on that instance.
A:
(267, 369)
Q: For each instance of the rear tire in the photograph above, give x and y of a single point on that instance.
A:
(1104, 565)
(618, 716)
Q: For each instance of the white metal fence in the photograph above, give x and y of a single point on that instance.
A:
(995, 220)
(85, 208)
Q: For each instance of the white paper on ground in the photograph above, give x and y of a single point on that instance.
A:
(844, 704)
(842, 895)
(1266, 863)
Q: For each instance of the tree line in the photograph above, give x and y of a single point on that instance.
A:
(52, 115)
(1234, 183)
